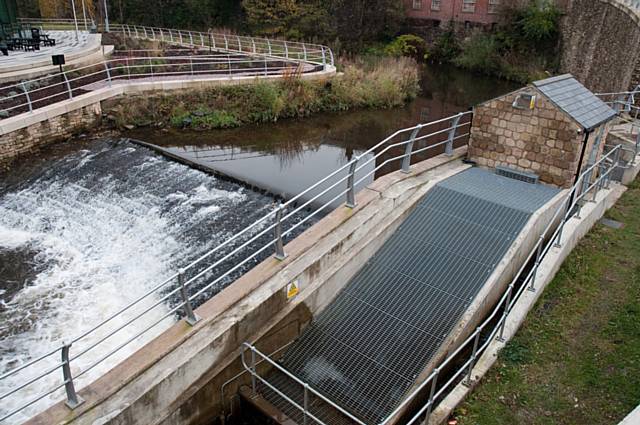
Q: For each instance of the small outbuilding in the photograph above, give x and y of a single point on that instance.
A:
(552, 128)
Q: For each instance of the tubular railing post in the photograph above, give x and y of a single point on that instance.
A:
(136, 30)
(190, 38)
(305, 403)
(26, 93)
(532, 287)
(202, 39)
(269, 46)
(239, 43)
(266, 67)
(279, 245)
(253, 45)
(324, 58)
(73, 399)
(153, 33)
(180, 34)
(64, 74)
(452, 134)
(474, 354)
(351, 193)
(304, 50)
(226, 42)
(406, 160)
(145, 32)
(432, 393)
(171, 35)
(161, 35)
(229, 64)
(254, 387)
(286, 50)
(191, 318)
(507, 307)
(106, 67)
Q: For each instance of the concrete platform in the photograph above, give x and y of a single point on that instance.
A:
(66, 44)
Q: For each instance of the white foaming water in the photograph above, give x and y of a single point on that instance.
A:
(104, 227)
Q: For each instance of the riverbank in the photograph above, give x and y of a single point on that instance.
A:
(577, 358)
(380, 84)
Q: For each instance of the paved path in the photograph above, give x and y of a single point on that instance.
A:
(66, 44)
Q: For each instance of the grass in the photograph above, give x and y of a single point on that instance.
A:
(576, 360)
(380, 83)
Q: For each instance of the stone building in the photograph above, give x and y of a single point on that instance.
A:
(553, 128)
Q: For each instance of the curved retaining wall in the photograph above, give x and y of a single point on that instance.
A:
(601, 43)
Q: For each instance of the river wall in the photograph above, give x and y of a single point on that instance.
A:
(601, 44)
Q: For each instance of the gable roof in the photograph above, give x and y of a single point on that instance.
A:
(575, 100)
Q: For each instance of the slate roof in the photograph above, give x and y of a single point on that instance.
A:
(576, 100)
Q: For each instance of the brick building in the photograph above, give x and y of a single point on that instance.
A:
(553, 128)
(470, 12)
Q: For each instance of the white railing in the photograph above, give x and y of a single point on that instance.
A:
(488, 330)
(291, 50)
(196, 280)
(27, 96)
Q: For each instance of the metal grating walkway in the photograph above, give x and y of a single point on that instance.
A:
(365, 350)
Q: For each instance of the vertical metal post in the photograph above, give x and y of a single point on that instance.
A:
(180, 34)
(145, 32)
(106, 67)
(229, 64)
(153, 33)
(432, 393)
(64, 74)
(84, 16)
(135, 29)
(106, 17)
(226, 42)
(266, 71)
(474, 354)
(73, 399)
(161, 35)
(452, 135)
(269, 46)
(75, 19)
(286, 50)
(239, 43)
(305, 403)
(202, 39)
(507, 308)
(253, 372)
(253, 45)
(26, 93)
(351, 193)
(304, 49)
(171, 35)
(324, 58)
(213, 39)
(191, 318)
(408, 149)
(532, 287)
(279, 245)
(190, 38)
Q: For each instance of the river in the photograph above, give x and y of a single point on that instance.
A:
(94, 224)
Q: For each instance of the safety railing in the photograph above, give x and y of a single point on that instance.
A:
(290, 50)
(626, 101)
(26, 96)
(202, 278)
(597, 177)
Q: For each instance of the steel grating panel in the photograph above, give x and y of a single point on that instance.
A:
(365, 350)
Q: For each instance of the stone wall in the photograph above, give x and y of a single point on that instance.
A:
(600, 44)
(542, 140)
(36, 136)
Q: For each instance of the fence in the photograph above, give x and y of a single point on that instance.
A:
(484, 334)
(283, 49)
(197, 280)
(27, 96)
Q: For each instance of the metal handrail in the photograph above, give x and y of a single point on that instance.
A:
(275, 222)
(569, 208)
(285, 49)
(66, 85)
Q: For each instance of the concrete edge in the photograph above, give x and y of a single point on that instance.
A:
(633, 418)
(574, 231)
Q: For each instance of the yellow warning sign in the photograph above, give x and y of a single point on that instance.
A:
(292, 289)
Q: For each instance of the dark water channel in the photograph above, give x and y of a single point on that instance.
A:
(285, 158)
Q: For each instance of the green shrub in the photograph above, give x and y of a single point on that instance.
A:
(446, 47)
(408, 45)
(480, 53)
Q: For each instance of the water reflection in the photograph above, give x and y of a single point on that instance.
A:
(286, 157)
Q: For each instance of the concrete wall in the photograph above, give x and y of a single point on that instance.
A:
(600, 44)
(542, 140)
(178, 377)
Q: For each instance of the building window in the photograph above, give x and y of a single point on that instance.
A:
(435, 4)
(417, 4)
(493, 6)
(469, 6)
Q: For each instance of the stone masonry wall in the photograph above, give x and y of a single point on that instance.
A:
(544, 140)
(36, 136)
(600, 40)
